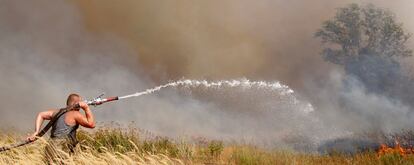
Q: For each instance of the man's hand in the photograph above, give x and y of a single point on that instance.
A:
(84, 105)
(32, 137)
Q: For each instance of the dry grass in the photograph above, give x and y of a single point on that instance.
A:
(117, 146)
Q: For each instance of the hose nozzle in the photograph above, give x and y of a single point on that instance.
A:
(99, 100)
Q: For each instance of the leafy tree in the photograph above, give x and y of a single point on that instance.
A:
(367, 30)
(366, 41)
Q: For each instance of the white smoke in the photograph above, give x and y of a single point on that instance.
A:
(45, 54)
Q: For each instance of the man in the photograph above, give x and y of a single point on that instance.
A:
(63, 134)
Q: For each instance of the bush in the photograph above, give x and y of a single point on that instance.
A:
(215, 148)
(160, 145)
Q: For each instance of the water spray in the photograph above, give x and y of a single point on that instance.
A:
(243, 83)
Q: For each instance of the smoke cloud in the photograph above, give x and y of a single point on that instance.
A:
(49, 49)
(46, 54)
(266, 39)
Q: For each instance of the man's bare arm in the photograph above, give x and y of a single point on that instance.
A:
(45, 115)
(88, 120)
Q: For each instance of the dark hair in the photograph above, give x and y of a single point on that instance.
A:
(71, 97)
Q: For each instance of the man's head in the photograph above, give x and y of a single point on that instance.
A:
(73, 99)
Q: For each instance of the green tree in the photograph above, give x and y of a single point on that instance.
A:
(367, 41)
(359, 30)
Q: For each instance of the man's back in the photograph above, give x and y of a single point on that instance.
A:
(63, 128)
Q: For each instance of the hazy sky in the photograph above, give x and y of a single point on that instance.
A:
(265, 39)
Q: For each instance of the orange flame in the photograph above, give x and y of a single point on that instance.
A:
(397, 149)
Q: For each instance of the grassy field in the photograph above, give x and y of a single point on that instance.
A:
(120, 146)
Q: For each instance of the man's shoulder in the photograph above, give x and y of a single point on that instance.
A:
(74, 113)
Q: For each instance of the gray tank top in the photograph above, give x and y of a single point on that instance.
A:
(61, 130)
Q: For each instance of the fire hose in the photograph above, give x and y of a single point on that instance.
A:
(94, 102)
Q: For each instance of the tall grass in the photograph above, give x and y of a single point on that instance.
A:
(129, 146)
